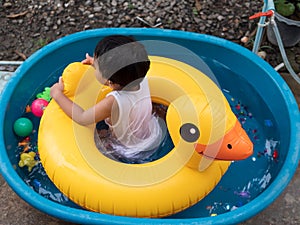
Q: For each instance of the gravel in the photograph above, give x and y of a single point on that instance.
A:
(29, 25)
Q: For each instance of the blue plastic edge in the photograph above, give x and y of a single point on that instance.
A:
(85, 217)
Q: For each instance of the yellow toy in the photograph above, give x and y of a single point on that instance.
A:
(27, 159)
(201, 125)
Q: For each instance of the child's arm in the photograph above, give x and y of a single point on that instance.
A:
(100, 111)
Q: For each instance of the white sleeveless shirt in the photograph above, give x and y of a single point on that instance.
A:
(136, 128)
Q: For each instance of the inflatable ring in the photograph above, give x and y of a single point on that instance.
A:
(199, 120)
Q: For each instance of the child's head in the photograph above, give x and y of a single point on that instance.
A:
(121, 59)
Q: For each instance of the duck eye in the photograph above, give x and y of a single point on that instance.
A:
(189, 132)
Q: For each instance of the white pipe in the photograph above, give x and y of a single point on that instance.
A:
(11, 62)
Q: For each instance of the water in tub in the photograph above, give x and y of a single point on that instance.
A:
(243, 181)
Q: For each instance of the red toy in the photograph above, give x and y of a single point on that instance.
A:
(38, 106)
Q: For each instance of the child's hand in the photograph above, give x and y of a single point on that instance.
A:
(88, 59)
(57, 89)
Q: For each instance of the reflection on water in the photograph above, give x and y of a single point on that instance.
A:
(243, 181)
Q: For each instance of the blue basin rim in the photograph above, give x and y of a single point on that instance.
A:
(85, 217)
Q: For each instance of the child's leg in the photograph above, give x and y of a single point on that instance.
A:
(159, 110)
(102, 129)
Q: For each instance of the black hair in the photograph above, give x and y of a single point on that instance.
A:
(121, 59)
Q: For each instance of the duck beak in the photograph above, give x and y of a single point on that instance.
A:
(235, 145)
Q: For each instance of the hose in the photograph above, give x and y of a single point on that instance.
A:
(282, 51)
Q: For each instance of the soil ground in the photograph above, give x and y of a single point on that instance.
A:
(27, 25)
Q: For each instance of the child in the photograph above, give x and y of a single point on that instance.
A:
(121, 63)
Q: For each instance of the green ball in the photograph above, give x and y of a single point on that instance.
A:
(23, 127)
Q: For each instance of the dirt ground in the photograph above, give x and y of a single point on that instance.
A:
(284, 210)
(27, 25)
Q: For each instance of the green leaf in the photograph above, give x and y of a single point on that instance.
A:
(285, 9)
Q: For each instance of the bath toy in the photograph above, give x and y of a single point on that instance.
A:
(23, 127)
(275, 154)
(28, 109)
(245, 76)
(45, 94)
(27, 159)
(38, 106)
(25, 143)
(198, 118)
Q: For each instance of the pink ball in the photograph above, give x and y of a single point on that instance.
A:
(38, 106)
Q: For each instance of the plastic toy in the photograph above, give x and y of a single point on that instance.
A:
(27, 159)
(38, 106)
(242, 73)
(25, 143)
(45, 94)
(23, 127)
(160, 188)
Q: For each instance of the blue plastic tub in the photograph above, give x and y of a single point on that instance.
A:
(258, 95)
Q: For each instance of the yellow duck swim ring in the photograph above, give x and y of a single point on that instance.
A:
(198, 118)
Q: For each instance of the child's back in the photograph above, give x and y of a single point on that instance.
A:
(136, 130)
